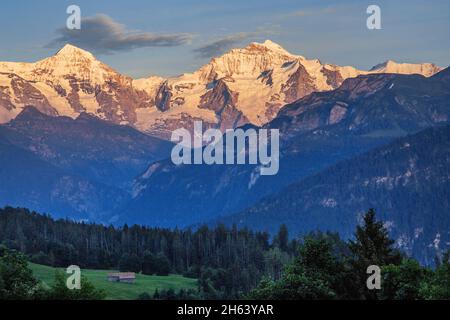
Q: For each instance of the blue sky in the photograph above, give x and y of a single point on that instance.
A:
(332, 31)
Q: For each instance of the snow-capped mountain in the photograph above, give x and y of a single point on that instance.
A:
(425, 69)
(71, 82)
(247, 85)
(316, 132)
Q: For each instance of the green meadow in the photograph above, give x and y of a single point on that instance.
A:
(119, 291)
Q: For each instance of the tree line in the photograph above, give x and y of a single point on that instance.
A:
(17, 282)
(228, 263)
(328, 268)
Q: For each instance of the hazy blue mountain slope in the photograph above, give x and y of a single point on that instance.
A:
(317, 131)
(86, 146)
(407, 182)
(28, 181)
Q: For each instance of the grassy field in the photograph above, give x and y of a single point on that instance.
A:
(120, 291)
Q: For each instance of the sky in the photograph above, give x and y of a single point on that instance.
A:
(140, 38)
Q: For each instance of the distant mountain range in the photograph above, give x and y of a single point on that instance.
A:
(80, 168)
(247, 85)
(100, 150)
(28, 181)
(80, 140)
(317, 131)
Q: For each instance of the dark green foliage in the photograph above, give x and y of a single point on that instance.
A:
(282, 238)
(228, 263)
(59, 290)
(372, 246)
(16, 279)
(130, 262)
(18, 283)
(144, 296)
(42, 258)
(155, 264)
(402, 281)
(149, 263)
(170, 294)
(232, 260)
(437, 284)
(163, 265)
(410, 281)
(315, 274)
(327, 268)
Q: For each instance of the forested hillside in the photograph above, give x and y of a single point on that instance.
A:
(228, 262)
(407, 181)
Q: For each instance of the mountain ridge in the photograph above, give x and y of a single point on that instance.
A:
(262, 77)
(315, 131)
(28, 180)
(86, 146)
(407, 181)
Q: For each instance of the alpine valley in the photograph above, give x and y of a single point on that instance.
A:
(82, 141)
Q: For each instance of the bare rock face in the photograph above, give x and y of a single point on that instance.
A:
(163, 97)
(246, 85)
(14, 91)
(231, 117)
(73, 97)
(219, 97)
(299, 84)
(164, 127)
(224, 103)
(334, 78)
(337, 113)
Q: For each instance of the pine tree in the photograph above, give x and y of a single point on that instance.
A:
(372, 246)
(282, 238)
(16, 279)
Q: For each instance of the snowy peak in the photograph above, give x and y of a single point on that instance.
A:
(71, 51)
(390, 66)
(260, 79)
(269, 45)
(382, 65)
(70, 61)
(68, 83)
(73, 61)
(244, 85)
(251, 60)
(272, 45)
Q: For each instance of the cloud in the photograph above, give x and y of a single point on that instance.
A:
(224, 44)
(101, 34)
(220, 46)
